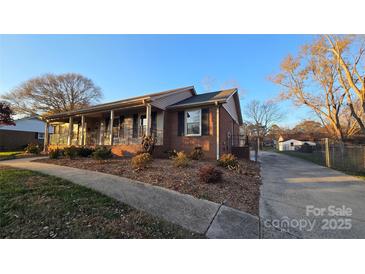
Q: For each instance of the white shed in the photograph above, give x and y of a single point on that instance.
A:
(293, 144)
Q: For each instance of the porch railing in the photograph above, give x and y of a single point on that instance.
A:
(58, 139)
(125, 136)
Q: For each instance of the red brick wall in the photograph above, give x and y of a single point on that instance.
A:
(227, 126)
(12, 139)
(187, 143)
(208, 143)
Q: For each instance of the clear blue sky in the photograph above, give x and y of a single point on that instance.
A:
(131, 65)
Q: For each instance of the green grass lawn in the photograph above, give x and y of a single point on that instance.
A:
(305, 156)
(33, 205)
(5, 155)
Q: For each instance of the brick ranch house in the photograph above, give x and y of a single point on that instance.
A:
(179, 119)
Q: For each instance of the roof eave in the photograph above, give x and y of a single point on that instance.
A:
(238, 106)
(116, 104)
(210, 102)
(99, 108)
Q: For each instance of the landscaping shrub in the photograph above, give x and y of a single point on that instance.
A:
(196, 154)
(55, 154)
(148, 144)
(209, 174)
(33, 149)
(141, 161)
(228, 160)
(102, 153)
(181, 160)
(85, 151)
(70, 152)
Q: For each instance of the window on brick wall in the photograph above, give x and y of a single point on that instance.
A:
(193, 122)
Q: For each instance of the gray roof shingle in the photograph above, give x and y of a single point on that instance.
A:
(206, 97)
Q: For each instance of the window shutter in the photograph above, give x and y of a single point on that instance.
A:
(135, 126)
(154, 121)
(205, 121)
(180, 123)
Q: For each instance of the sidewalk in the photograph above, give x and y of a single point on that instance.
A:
(201, 216)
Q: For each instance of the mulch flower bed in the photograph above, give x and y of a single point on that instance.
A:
(239, 190)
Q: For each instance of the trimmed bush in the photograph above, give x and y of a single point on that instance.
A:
(102, 153)
(196, 154)
(33, 149)
(141, 161)
(85, 151)
(70, 152)
(228, 160)
(55, 154)
(209, 174)
(181, 160)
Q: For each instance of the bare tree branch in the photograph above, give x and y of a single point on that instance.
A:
(53, 93)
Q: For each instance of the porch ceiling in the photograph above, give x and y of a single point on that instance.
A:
(102, 114)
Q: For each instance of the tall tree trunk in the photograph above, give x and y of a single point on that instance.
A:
(357, 118)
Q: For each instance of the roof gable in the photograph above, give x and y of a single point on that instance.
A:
(221, 95)
(229, 98)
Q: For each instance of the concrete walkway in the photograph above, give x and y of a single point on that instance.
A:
(201, 216)
(291, 184)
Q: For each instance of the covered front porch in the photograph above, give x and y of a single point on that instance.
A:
(122, 126)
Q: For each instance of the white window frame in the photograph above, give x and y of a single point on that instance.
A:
(39, 135)
(186, 124)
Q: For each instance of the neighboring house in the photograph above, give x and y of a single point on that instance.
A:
(179, 119)
(26, 130)
(293, 144)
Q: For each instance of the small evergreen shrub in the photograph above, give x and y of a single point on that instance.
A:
(228, 160)
(141, 161)
(55, 153)
(102, 153)
(181, 160)
(196, 154)
(33, 149)
(70, 152)
(209, 174)
(85, 151)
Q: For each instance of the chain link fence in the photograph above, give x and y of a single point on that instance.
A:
(341, 156)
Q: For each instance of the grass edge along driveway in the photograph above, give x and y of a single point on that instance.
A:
(33, 205)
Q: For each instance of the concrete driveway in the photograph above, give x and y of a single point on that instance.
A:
(309, 201)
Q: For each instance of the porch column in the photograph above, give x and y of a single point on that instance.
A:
(217, 126)
(148, 118)
(70, 131)
(83, 130)
(111, 127)
(46, 137)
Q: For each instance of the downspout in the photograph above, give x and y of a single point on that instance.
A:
(217, 126)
